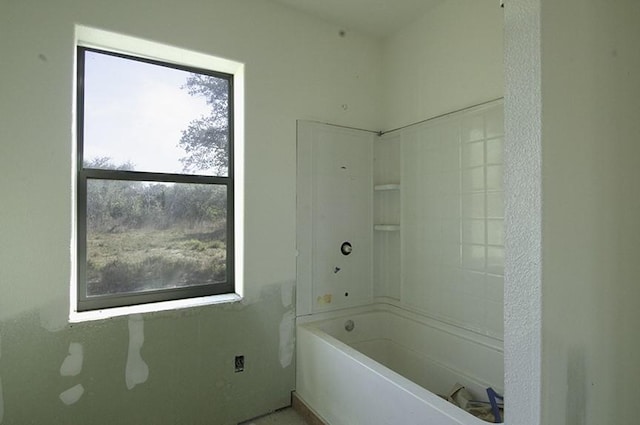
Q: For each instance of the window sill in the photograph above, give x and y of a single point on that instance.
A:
(86, 316)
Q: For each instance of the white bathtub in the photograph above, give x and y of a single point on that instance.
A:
(390, 367)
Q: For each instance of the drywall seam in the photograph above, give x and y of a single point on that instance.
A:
(72, 364)
(72, 395)
(523, 209)
(136, 371)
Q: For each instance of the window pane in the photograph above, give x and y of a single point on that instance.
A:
(146, 117)
(145, 236)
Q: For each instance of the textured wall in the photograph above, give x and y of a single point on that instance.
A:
(172, 367)
(523, 189)
(572, 102)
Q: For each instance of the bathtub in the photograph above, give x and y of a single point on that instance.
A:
(390, 367)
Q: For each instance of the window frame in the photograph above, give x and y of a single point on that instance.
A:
(85, 303)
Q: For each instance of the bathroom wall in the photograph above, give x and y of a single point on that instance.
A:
(334, 217)
(572, 271)
(449, 59)
(590, 209)
(452, 219)
(171, 367)
(450, 247)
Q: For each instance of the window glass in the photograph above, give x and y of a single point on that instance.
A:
(155, 181)
(148, 117)
(145, 236)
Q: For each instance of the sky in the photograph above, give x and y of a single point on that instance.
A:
(135, 112)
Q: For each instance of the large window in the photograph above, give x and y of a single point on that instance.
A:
(155, 181)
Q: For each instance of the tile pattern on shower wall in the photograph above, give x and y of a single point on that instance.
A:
(452, 219)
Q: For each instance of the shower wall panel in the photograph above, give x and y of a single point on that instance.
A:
(335, 219)
(452, 219)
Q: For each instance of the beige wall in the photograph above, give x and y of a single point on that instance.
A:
(296, 68)
(447, 60)
(591, 206)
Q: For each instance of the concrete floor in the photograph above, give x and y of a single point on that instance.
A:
(281, 417)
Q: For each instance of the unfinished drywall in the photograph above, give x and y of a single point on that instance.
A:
(590, 209)
(447, 60)
(296, 67)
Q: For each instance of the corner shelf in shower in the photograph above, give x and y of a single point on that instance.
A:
(387, 227)
(381, 187)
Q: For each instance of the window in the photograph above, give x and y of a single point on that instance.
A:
(155, 181)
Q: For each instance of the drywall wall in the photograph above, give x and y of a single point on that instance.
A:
(572, 310)
(590, 209)
(447, 60)
(180, 366)
(523, 203)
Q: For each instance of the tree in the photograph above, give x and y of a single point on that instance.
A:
(206, 140)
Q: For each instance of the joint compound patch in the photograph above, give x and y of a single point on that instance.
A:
(286, 292)
(137, 371)
(72, 395)
(325, 299)
(287, 338)
(72, 364)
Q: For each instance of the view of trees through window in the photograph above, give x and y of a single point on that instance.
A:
(144, 235)
(153, 230)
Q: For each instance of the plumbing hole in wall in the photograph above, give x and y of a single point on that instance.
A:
(349, 325)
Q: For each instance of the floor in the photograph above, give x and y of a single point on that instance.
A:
(286, 416)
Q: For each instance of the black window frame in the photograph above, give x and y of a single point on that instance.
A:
(85, 303)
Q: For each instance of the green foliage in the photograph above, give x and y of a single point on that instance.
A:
(206, 140)
(117, 206)
(154, 259)
(144, 235)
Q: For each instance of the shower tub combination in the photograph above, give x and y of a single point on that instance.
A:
(384, 365)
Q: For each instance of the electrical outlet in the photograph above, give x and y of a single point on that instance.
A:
(239, 364)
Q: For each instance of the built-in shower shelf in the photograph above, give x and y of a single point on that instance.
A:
(380, 187)
(387, 227)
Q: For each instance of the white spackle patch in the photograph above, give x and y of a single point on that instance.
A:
(72, 364)
(286, 291)
(287, 338)
(137, 370)
(72, 395)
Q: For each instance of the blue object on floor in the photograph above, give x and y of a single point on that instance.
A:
(493, 395)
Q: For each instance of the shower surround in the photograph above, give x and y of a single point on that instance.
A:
(421, 209)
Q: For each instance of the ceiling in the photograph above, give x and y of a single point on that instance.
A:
(378, 18)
